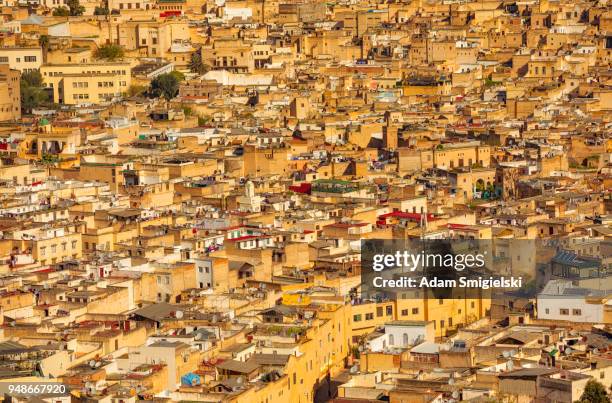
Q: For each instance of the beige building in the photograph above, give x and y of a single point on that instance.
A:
(93, 83)
(150, 38)
(10, 96)
(22, 59)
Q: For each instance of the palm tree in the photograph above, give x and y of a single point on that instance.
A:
(196, 65)
(43, 41)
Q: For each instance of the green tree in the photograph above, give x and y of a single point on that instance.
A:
(135, 90)
(165, 85)
(101, 11)
(109, 52)
(203, 120)
(75, 7)
(32, 93)
(61, 12)
(594, 392)
(43, 41)
(196, 65)
(178, 75)
(32, 78)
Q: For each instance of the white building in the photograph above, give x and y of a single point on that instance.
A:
(560, 300)
(403, 334)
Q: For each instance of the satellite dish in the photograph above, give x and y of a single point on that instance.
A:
(455, 394)
(98, 364)
(568, 351)
(595, 350)
(179, 314)
(239, 381)
(92, 363)
(510, 365)
(506, 354)
(451, 381)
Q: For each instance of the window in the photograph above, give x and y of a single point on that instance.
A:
(404, 312)
(379, 311)
(357, 318)
(369, 316)
(576, 312)
(4, 59)
(30, 59)
(415, 311)
(564, 311)
(389, 310)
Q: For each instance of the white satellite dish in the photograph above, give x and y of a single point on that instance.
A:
(455, 394)
(98, 364)
(92, 363)
(179, 314)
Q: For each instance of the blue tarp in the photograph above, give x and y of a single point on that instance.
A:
(190, 379)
